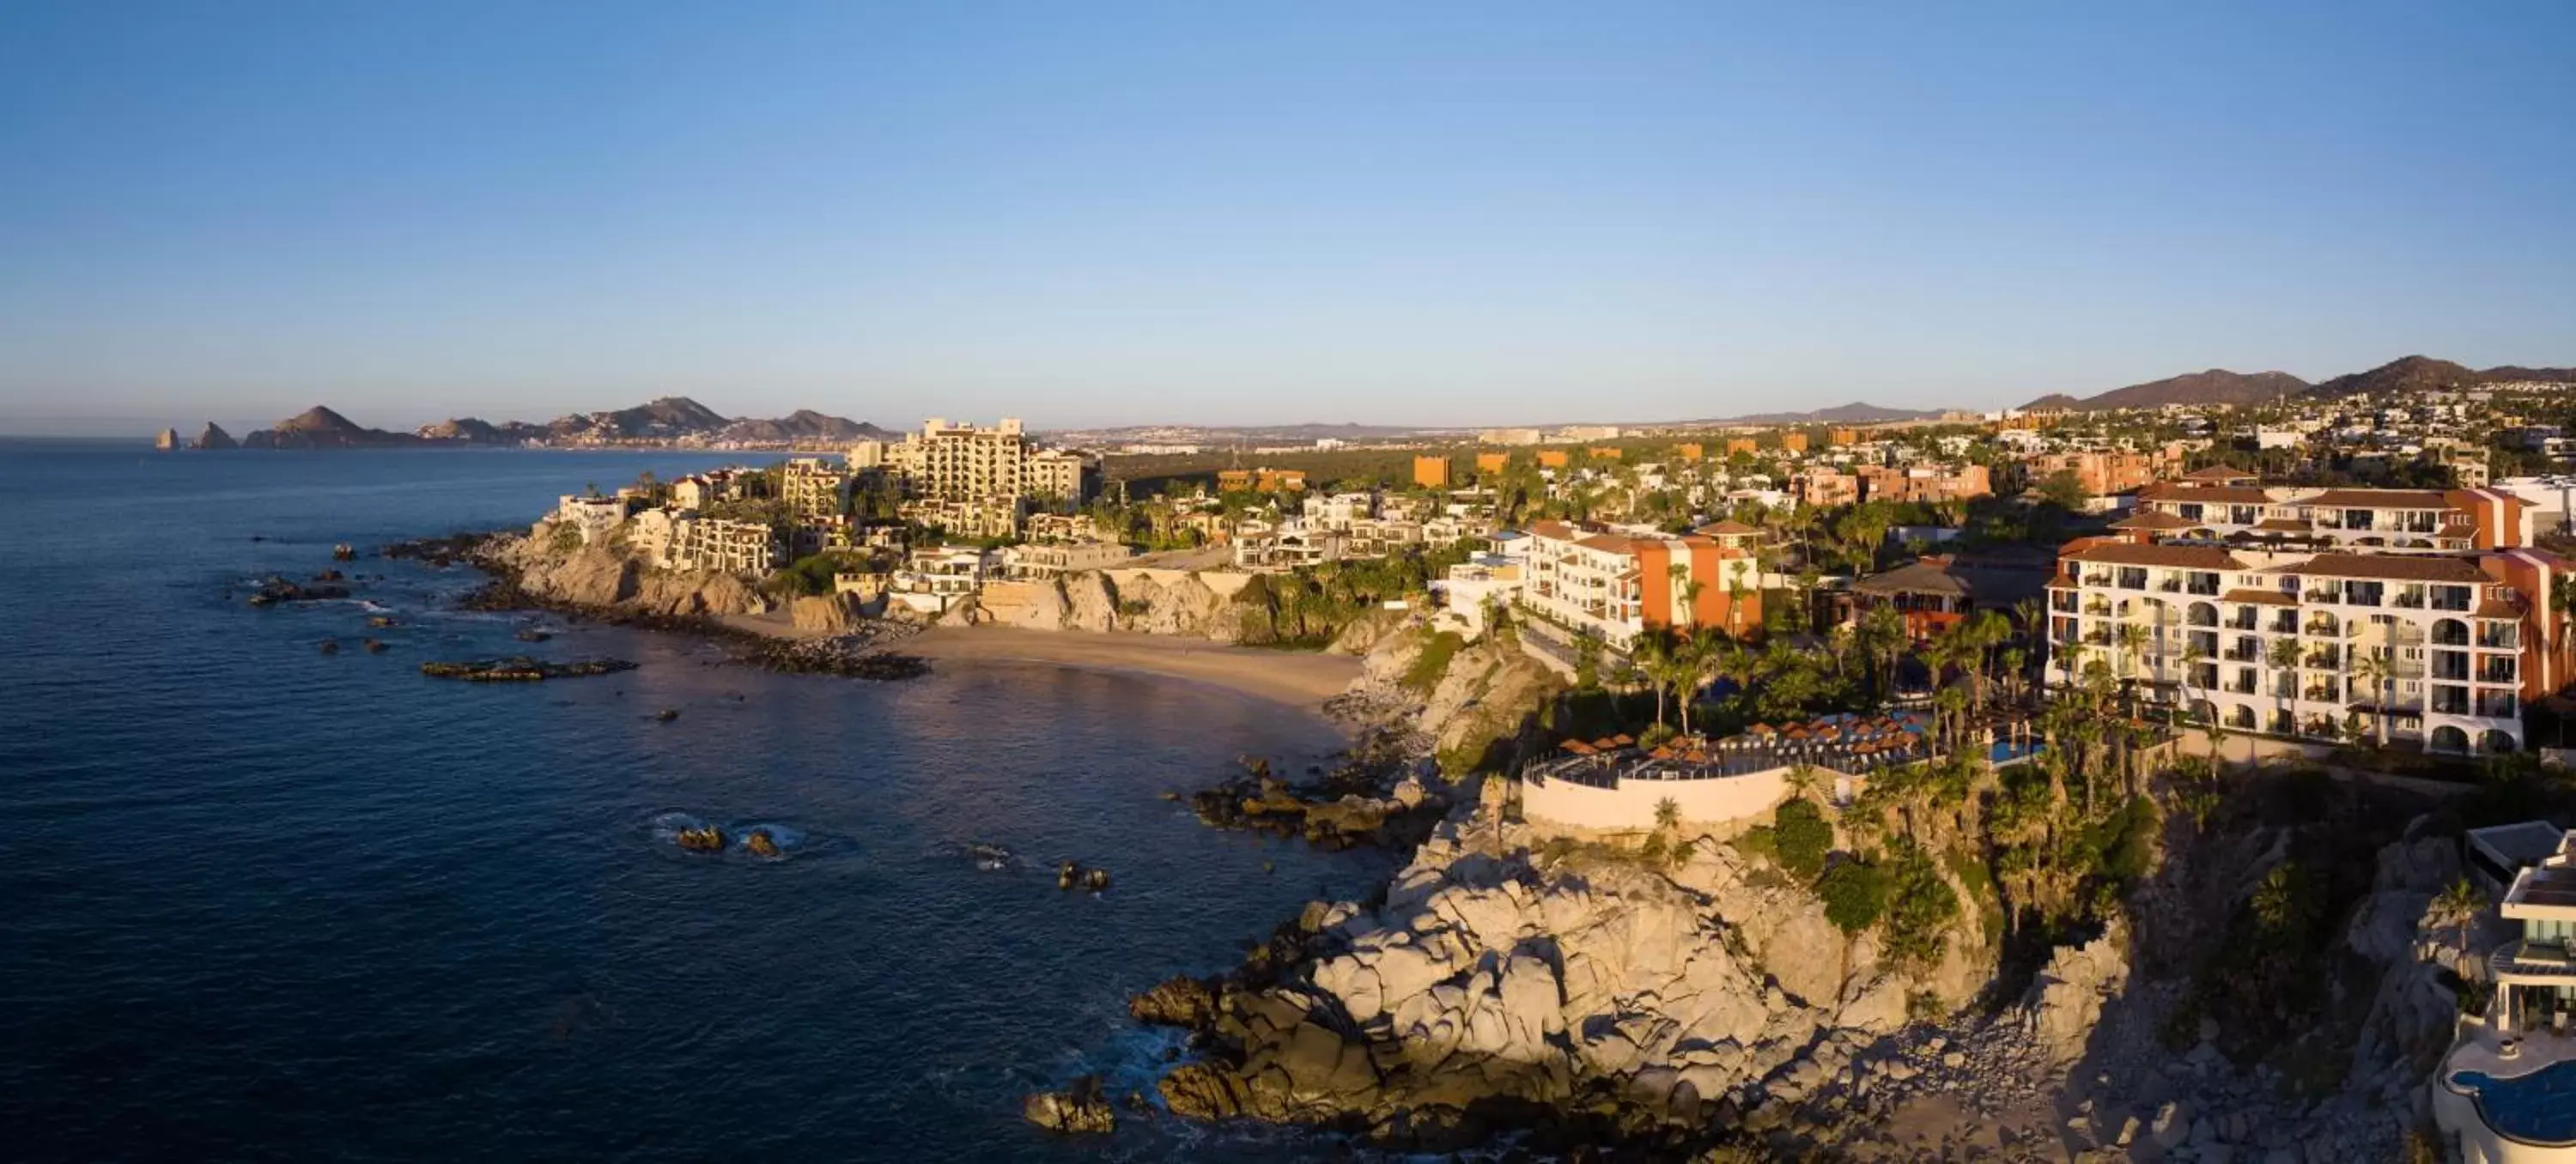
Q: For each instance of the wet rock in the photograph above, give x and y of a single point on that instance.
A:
(1178, 1001)
(1082, 1109)
(759, 844)
(703, 839)
(330, 646)
(521, 669)
(375, 646)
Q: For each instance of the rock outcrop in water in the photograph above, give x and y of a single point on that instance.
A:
(521, 669)
(214, 438)
(1593, 994)
(1083, 1108)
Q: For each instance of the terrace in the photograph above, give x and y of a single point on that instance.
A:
(1850, 744)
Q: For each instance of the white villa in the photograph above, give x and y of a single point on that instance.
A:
(2503, 1088)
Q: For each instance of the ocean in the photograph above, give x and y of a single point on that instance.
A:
(263, 902)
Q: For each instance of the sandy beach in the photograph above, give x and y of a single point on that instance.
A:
(1298, 678)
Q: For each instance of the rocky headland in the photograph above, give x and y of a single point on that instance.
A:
(1684, 995)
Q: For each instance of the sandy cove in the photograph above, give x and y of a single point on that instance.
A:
(1298, 678)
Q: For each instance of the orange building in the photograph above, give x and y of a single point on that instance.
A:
(1622, 586)
(1431, 472)
(1745, 445)
(1795, 442)
(1492, 462)
(1844, 436)
(1687, 451)
(1551, 458)
(2101, 473)
(1261, 480)
(1603, 453)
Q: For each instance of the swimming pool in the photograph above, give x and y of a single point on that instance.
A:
(2539, 1108)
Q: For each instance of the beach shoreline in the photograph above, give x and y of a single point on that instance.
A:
(1302, 680)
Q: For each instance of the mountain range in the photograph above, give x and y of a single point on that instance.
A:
(669, 420)
(1855, 412)
(2220, 386)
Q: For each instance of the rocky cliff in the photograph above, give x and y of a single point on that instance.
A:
(1584, 988)
(604, 577)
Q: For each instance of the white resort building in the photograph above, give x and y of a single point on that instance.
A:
(2438, 651)
(2504, 1089)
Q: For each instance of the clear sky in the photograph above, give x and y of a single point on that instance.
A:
(1090, 213)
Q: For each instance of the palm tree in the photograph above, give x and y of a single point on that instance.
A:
(1654, 656)
(1805, 781)
(2283, 655)
(2458, 908)
(2375, 671)
(1668, 815)
(2133, 641)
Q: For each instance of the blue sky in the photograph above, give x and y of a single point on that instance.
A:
(1109, 213)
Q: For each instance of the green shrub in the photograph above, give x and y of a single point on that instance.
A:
(1759, 841)
(1433, 663)
(1802, 838)
(1920, 907)
(1855, 894)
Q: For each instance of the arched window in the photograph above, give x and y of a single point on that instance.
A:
(2447, 738)
(2202, 614)
(2495, 742)
(2450, 632)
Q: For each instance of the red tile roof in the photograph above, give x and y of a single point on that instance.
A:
(2186, 557)
(2388, 567)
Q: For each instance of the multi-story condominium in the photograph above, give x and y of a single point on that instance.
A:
(1825, 487)
(1061, 527)
(2223, 504)
(1511, 436)
(714, 543)
(1618, 584)
(1040, 562)
(595, 517)
(1268, 548)
(814, 487)
(1923, 483)
(986, 517)
(704, 490)
(932, 580)
(2442, 651)
(1336, 511)
(962, 462)
(1431, 472)
(2106, 472)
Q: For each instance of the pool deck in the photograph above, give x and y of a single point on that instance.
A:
(2478, 1051)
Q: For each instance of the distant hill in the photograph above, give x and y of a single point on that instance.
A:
(2426, 374)
(2215, 386)
(477, 431)
(804, 424)
(668, 418)
(1855, 412)
(320, 428)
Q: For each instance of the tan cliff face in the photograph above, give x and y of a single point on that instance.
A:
(603, 576)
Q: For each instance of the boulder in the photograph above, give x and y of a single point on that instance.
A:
(1178, 1001)
(1080, 1109)
(826, 613)
(213, 436)
(2066, 1000)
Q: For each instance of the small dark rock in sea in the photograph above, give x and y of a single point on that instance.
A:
(667, 714)
(274, 590)
(343, 553)
(532, 635)
(705, 839)
(381, 620)
(437, 551)
(375, 646)
(520, 668)
(330, 646)
(759, 844)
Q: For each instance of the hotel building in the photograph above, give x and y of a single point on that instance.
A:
(1618, 584)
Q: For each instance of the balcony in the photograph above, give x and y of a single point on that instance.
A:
(2243, 620)
(2498, 705)
(2496, 669)
(2408, 601)
(2451, 598)
(2499, 636)
(2449, 667)
(2324, 693)
(2326, 660)
(2244, 655)
(2286, 624)
(2170, 586)
(2315, 597)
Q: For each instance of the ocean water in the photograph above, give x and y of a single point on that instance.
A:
(258, 902)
